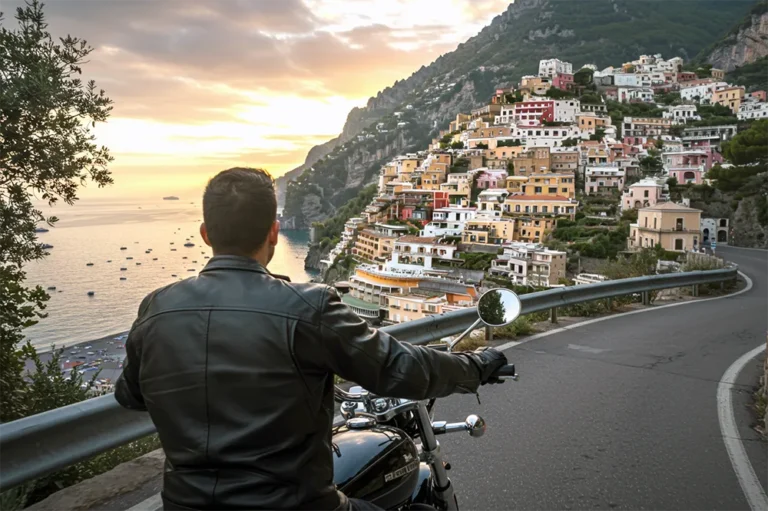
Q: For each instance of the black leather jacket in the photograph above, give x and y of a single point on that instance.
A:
(235, 367)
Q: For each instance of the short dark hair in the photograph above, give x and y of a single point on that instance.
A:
(239, 208)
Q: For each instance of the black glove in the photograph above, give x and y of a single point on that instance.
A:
(488, 361)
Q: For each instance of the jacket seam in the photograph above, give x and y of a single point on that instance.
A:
(207, 408)
(222, 309)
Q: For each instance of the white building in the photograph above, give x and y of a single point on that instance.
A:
(701, 94)
(753, 110)
(566, 110)
(682, 114)
(448, 222)
(626, 80)
(589, 278)
(530, 264)
(541, 136)
(553, 67)
(630, 94)
(603, 177)
(417, 253)
(714, 229)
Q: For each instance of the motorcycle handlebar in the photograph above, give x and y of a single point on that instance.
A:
(507, 371)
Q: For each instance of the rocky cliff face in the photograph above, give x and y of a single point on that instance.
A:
(747, 229)
(745, 43)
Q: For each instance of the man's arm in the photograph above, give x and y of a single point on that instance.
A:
(385, 366)
(127, 388)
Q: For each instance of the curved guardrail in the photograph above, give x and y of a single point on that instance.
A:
(43, 443)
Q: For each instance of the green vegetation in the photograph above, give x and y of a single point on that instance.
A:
(458, 145)
(583, 76)
(480, 145)
(332, 227)
(750, 146)
(477, 260)
(752, 76)
(459, 165)
(555, 93)
(509, 143)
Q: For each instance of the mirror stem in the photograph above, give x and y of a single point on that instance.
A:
(465, 333)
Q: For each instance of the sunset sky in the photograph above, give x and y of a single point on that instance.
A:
(201, 85)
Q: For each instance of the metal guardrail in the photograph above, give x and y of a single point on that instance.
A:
(46, 442)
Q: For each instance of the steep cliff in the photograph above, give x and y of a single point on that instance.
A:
(745, 43)
(602, 32)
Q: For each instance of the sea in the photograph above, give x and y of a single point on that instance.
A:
(153, 233)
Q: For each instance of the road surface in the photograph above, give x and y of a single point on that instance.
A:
(618, 414)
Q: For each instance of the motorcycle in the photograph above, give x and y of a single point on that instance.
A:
(386, 451)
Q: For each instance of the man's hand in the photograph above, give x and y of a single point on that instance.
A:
(488, 361)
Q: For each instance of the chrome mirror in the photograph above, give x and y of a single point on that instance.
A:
(498, 307)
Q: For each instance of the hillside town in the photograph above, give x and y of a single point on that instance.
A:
(512, 189)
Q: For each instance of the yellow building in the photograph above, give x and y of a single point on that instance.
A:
(730, 97)
(414, 305)
(460, 123)
(550, 184)
(564, 161)
(541, 205)
(488, 231)
(673, 226)
(532, 161)
(590, 121)
(503, 152)
(533, 229)
(373, 245)
(515, 183)
(537, 85)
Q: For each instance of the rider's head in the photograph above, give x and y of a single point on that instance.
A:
(240, 214)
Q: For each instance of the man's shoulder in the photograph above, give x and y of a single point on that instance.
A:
(314, 295)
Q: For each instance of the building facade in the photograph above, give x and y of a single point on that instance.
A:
(674, 227)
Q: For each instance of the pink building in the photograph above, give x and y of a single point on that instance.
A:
(758, 95)
(491, 178)
(687, 166)
(563, 81)
(643, 194)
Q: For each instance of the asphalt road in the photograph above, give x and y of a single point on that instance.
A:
(620, 413)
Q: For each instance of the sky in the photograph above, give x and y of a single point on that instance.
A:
(203, 85)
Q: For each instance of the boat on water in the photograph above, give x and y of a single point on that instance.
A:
(174, 275)
(191, 269)
(123, 248)
(89, 264)
(189, 244)
(154, 258)
(129, 258)
(138, 264)
(46, 246)
(184, 257)
(171, 243)
(194, 261)
(51, 288)
(123, 269)
(91, 293)
(123, 278)
(41, 229)
(173, 250)
(109, 260)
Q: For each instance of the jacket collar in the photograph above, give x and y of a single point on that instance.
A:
(231, 262)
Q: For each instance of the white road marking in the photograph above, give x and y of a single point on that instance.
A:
(586, 349)
(153, 503)
(745, 473)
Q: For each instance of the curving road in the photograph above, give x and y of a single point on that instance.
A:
(620, 413)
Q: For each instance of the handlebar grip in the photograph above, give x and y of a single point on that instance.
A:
(507, 370)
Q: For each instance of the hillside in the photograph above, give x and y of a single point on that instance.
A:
(601, 32)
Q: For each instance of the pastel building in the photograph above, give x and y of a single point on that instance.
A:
(674, 227)
(530, 264)
(645, 193)
(687, 166)
(448, 221)
(603, 179)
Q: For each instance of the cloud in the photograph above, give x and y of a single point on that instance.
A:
(271, 73)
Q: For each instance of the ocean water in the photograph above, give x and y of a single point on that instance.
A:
(93, 232)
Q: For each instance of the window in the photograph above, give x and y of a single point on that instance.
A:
(679, 224)
(565, 190)
(553, 190)
(654, 223)
(544, 209)
(537, 189)
(678, 244)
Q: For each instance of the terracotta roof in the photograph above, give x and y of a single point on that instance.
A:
(417, 239)
(539, 197)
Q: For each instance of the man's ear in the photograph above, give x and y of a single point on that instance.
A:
(274, 232)
(204, 234)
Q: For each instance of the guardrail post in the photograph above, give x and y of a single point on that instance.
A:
(646, 298)
(553, 316)
(609, 304)
(488, 333)
(695, 290)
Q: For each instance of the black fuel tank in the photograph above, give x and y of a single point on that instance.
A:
(379, 464)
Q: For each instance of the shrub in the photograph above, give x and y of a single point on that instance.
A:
(519, 327)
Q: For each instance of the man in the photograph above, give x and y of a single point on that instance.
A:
(236, 365)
